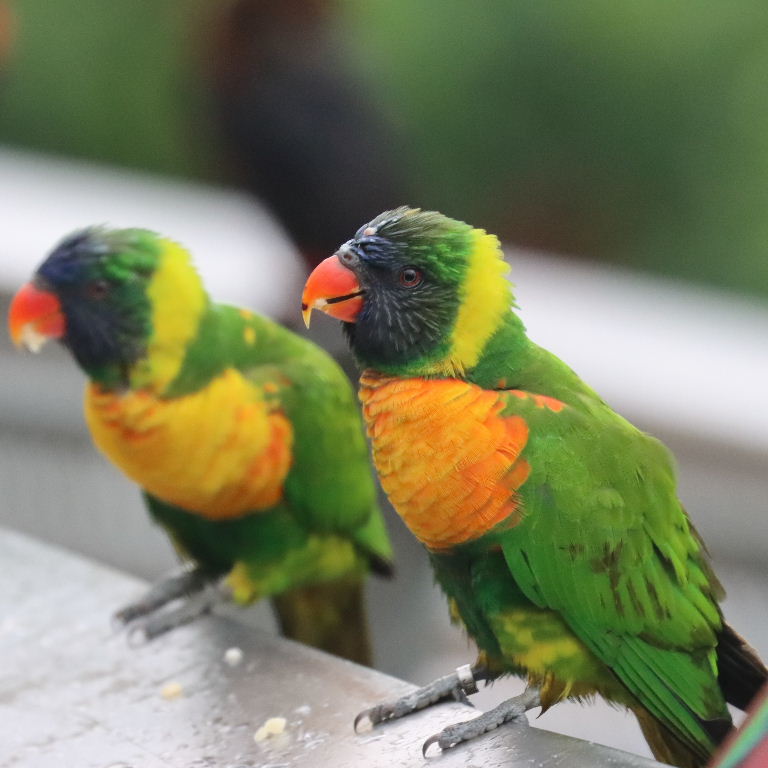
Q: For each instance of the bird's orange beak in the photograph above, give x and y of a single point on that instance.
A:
(35, 316)
(333, 289)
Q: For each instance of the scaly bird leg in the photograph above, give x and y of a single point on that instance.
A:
(182, 583)
(195, 586)
(458, 686)
(161, 622)
(493, 718)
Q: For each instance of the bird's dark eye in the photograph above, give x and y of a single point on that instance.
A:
(97, 289)
(409, 277)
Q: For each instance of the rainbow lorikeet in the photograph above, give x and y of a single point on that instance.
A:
(552, 523)
(245, 438)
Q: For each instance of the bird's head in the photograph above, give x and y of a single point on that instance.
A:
(98, 293)
(419, 293)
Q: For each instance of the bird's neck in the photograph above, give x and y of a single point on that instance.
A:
(178, 308)
(510, 360)
(224, 338)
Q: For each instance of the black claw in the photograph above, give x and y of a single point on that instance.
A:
(375, 715)
(366, 713)
(429, 742)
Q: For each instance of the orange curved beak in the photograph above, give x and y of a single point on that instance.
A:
(333, 289)
(35, 316)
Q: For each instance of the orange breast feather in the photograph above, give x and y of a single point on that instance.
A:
(220, 452)
(448, 461)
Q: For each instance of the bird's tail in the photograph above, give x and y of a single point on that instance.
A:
(666, 747)
(741, 675)
(330, 616)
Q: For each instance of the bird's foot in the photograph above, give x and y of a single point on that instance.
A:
(510, 709)
(181, 583)
(194, 586)
(458, 686)
(159, 622)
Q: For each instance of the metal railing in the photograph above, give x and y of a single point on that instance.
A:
(73, 693)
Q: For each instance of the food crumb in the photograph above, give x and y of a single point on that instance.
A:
(274, 726)
(171, 690)
(233, 656)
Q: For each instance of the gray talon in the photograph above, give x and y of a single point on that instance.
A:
(429, 742)
(366, 713)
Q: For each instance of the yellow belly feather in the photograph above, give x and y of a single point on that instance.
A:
(220, 452)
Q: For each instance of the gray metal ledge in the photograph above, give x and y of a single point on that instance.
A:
(73, 693)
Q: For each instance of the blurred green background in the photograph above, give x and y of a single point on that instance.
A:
(632, 132)
(107, 81)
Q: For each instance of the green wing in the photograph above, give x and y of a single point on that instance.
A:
(330, 486)
(606, 543)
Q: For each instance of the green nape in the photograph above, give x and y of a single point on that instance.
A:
(129, 252)
(229, 337)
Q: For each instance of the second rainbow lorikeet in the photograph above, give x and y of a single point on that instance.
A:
(553, 524)
(245, 438)
(747, 747)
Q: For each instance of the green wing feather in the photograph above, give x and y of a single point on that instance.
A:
(606, 543)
